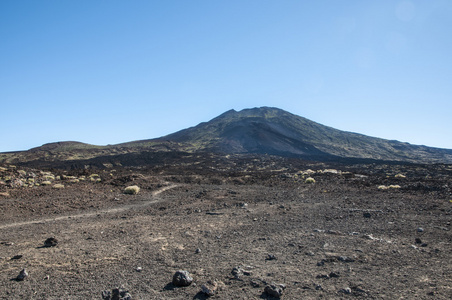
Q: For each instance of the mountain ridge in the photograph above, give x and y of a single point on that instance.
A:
(275, 131)
(263, 130)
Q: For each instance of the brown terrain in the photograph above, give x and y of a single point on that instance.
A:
(243, 222)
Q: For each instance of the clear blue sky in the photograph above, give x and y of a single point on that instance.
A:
(105, 72)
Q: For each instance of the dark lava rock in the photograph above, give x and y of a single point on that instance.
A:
(19, 256)
(270, 257)
(334, 275)
(182, 278)
(367, 215)
(418, 241)
(22, 275)
(50, 242)
(116, 294)
(275, 290)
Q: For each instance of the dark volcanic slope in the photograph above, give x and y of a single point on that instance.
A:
(251, 131)
(275, 131)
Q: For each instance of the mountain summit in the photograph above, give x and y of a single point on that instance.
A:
(278, 132)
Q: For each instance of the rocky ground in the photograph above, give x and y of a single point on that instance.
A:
(242, 228)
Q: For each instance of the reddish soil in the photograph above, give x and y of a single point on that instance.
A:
(341, 237)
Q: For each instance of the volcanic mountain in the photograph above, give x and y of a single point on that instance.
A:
(278, 132)
(263, 130)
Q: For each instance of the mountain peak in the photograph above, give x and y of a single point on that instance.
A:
(270, 130)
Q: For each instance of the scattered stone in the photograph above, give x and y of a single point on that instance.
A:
(275, 290)
(271, 257)
(7, 243)
(182, 278)
(198, 251)
(328, 276)
(420, 229)
(243, 205)
(139, 269)
(116, 294)
(346, 290)
(369, 237)
(50, 242)
(335, 232)
(209, 288)
(310, 253)
(418, 241)
(237, 272)
(367, 215)
(19, 256)
(345, 259)
(334, 275)
(255, 283)
(22, 275)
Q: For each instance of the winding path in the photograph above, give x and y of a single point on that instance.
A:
(153, 199)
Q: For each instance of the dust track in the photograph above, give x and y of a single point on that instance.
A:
(154, 199)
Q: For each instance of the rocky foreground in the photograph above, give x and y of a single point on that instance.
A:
(260, 228)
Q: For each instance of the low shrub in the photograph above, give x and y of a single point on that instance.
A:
(58, 186)
(309, 180)
(132, 190)
(394, 186)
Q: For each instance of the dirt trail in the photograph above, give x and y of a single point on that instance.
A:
(146, 202)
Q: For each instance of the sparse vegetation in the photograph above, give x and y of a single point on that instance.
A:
(310, 180)
(392, 186)
(132, 190)
(58, 186)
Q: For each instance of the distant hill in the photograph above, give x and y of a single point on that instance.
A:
(262, 130)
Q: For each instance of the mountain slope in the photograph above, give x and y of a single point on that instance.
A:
(262, 130)
(275, 131)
